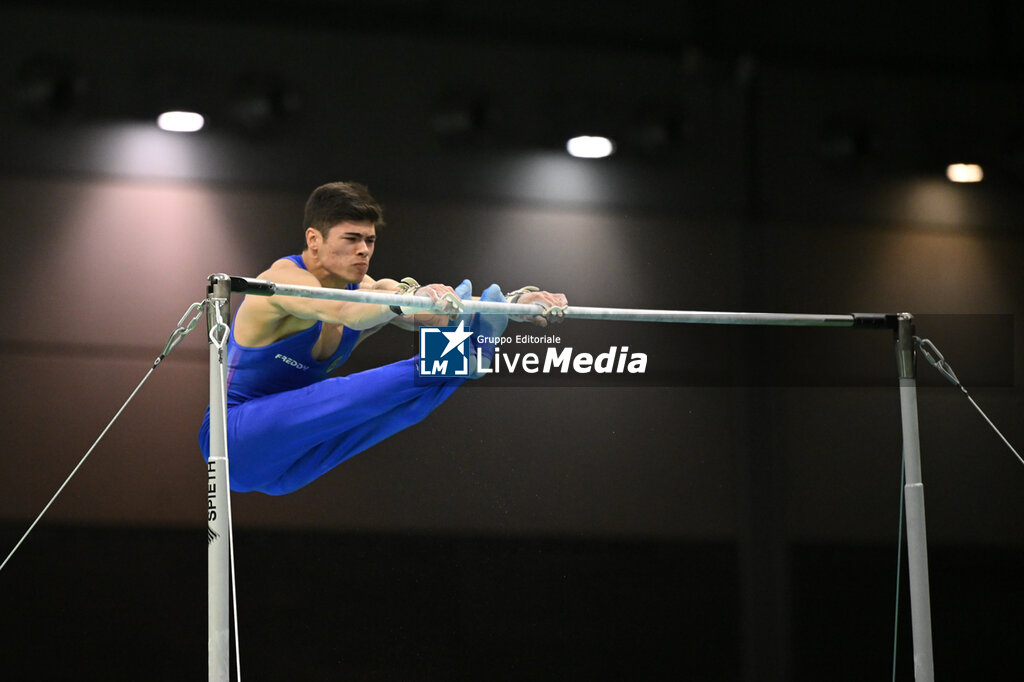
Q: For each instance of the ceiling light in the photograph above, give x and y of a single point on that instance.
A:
(964, 172)
(180, 121)
(48, 88)
(590, 147)
(262, 103)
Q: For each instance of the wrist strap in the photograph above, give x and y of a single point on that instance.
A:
(407, 287)
(513, 296)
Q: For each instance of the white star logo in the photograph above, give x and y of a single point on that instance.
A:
(456, 338)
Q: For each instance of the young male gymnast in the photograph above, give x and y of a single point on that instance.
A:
(288, 421)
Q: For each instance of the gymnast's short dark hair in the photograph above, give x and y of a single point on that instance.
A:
(339, 202)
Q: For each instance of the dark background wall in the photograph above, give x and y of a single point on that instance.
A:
(732, 515)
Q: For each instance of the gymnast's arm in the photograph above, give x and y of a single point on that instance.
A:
(554, 308)
(262, 320)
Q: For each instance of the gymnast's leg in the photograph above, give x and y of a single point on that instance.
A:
(282, 442)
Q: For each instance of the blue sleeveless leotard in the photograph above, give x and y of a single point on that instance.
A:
(283, 365)
(288, 422)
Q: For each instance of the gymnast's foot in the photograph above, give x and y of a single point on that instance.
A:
(486, 328)
(465, 292)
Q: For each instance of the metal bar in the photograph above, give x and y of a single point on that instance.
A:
(217, 490)
(917, 541)
(266, 288)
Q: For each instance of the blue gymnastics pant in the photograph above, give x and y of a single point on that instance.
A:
(281, 442)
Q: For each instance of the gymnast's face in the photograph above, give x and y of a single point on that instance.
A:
(347, 249)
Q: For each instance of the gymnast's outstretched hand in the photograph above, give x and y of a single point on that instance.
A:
(446, 299)
(554, 305)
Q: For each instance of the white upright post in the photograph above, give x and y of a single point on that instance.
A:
(217, 491)
(917, 542)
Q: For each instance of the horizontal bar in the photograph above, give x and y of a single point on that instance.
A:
(261, 287)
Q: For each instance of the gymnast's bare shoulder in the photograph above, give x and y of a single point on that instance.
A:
(262, 320)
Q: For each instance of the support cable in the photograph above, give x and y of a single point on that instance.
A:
(899, 568)
(936, 360)
(186, 324)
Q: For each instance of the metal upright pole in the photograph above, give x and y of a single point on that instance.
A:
(917, 542)
(219, 550)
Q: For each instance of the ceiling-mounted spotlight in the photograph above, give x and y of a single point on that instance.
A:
(48, 87)
(261, 103)
(180, 121)
(964, 172)
(590, 147)
(465, 120)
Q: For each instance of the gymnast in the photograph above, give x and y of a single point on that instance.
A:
(288, 421)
